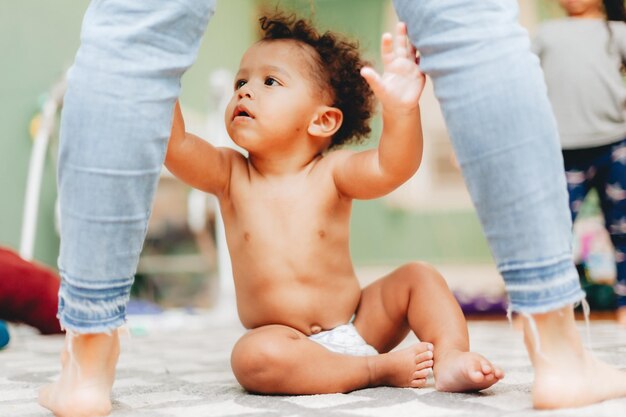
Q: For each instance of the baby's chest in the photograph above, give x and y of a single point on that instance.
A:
(296, 213)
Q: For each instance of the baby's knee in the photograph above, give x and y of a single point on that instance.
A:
(255, 363)
(422, 274)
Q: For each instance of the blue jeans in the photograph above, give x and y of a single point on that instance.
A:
(114, 129)
(494, 101)
(604, 169)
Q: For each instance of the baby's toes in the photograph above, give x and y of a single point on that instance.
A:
(477, 373)
(419, 379)
(424, 357)
(424, 347)
(418, 383)
(486, 367)
(424, 365)
(422, 374)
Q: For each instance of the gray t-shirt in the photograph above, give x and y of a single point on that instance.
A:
(585, 87)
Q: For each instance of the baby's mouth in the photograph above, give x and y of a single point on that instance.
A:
(241, 111)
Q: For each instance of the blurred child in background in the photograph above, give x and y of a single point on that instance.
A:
(583, 57)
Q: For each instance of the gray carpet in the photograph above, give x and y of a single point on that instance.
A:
(178, 365)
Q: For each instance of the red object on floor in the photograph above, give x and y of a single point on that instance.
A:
(28, 293)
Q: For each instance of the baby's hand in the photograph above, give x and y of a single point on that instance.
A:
(402, 82)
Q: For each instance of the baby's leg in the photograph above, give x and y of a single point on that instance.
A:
(416, 297)
(277, 359)
(88, 370)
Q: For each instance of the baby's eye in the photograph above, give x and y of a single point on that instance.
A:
(239, 84)
(271, 81)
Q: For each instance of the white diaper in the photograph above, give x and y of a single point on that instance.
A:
(344, 339)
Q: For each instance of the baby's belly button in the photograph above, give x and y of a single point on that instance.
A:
(316, 328)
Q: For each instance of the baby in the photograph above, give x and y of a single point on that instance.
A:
(298, 95)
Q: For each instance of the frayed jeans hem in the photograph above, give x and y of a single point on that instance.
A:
(91, 327)
(547, 306)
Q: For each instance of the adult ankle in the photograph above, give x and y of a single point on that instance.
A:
(552, 334)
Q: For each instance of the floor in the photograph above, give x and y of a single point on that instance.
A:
(176, 364)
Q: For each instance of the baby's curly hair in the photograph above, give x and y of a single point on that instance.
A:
(338, 63)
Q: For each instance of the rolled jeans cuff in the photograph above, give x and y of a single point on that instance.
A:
(94, 306)
(540, 287)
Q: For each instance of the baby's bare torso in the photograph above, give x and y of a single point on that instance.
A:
(288, 238)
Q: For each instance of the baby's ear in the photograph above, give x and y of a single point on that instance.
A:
(326, 122)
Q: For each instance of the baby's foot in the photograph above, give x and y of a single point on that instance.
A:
(621, 316)
(458, 371)
(403, 368)
(87, 375)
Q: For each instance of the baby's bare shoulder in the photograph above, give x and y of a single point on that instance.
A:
(334, 160)
(325, 165)
(237, 160)
(337, 157)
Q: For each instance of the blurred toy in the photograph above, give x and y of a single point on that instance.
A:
(28, 293)
(482, 304)
(595, 261)
(4, 334)
(593, 248)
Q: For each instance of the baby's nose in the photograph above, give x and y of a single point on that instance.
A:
(246, 91)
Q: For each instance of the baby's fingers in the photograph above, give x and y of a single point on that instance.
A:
(372, 78)
(402, 45)
(386, 49)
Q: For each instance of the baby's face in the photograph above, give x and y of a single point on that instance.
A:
(275, 95)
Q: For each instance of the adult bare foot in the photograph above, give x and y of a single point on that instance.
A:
(566, 375)
(458, 371)
(407, 368)
(621, 316)
(87, 373)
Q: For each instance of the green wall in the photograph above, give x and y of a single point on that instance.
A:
(37, 40)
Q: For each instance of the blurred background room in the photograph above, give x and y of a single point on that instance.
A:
(184, 264)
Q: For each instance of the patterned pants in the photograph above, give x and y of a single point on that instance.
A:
(604, 169)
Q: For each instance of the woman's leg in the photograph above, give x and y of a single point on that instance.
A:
(114, 129)
(494, 100)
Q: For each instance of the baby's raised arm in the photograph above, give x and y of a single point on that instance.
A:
(195, 161)
(376, 172)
